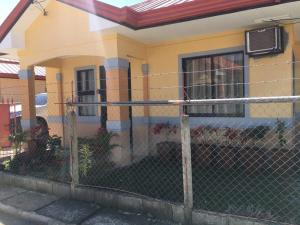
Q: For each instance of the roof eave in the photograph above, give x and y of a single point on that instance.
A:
(13, 18)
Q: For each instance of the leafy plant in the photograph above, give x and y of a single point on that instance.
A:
(258, 133)
(203, 133)
(54, 143)
(232, 135)
(17, 139)
(280, 130)
(167, 128)
(100, 144)
(6, 164)
(85, 160)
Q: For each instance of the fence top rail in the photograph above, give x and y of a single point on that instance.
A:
(273, 99)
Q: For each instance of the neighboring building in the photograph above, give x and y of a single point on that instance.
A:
(161, 41)
(11, 88)
(12, 93)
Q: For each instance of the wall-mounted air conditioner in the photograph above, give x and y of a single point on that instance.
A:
(264, 41)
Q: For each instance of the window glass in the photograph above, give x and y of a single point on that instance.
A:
(86, 92)
(215, 77)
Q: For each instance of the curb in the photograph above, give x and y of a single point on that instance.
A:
(32, 216)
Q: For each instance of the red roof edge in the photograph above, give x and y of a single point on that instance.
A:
(139, 20)
(16, 76)
(40, 77)
(172, 14)
(200, 9)
(13, 17)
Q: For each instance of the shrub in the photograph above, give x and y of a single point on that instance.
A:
(54, 143)
(258, 132)
(280, 130)
(85, 160)
(17, 139)
(203, 133)
(100, 144)
(167, 128)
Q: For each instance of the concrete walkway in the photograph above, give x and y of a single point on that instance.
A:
(48, 209)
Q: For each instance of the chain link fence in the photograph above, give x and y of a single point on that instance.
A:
(236, 156)
(40, 151)
(245, 165)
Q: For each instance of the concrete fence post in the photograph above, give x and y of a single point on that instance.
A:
(73, 138)
(187, 169)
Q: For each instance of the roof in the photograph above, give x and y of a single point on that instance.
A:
(10, 69)
(156, 4)
(149, 13)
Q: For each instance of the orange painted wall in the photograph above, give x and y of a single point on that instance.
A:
(4, 125)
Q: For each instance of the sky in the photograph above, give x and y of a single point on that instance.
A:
(7, 5)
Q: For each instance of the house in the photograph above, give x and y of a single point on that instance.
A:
(97, 52)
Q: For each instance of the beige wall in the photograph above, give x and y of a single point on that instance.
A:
(13, 89)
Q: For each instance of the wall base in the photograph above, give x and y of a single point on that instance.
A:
(128, 202)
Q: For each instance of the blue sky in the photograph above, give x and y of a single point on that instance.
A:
(7, 5)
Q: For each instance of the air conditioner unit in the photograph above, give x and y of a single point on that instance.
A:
(264, 41)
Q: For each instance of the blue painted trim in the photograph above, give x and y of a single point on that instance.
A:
(89, 119)
(214, 52)
(170, 120)
(140, 121)
(25, 74)
(55, 119)
(222, 122)
(27, 124)
(297, 116)
(58, 76)
(117, 125)
(116, 63)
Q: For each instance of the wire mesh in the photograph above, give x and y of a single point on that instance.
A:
(132, 155)
(249, 166)
(40, 151)
(245, 165)
(245, 158)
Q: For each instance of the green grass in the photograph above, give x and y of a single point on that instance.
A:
(262, 195)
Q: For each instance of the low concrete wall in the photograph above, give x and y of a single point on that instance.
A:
(128, 202)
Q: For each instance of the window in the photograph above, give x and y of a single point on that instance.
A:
(214, 77)
(86, 91)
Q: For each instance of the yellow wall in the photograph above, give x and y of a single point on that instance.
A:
(65, 32)
(164, 67)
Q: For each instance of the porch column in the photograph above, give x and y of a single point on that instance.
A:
(141, 128)
(55, 110)
(118, 117)
(27, 79)
(145, 71)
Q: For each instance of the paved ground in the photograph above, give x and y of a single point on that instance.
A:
(66, 210)
(6, 219)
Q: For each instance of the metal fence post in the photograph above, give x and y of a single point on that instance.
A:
(73, 138)
(187, 169)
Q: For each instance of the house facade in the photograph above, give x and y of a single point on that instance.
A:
(94, 52)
